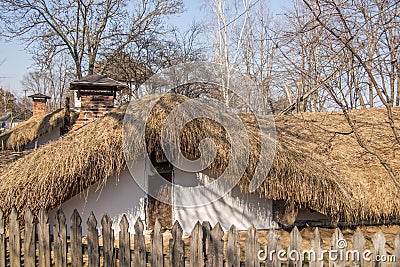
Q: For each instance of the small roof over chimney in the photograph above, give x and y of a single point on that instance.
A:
(96, 82)
(39, 96)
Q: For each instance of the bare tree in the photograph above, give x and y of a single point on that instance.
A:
(230, 20)
(84, 29)
(51, 79)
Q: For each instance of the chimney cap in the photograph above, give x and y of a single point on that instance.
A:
(96, 82)
(39, 96)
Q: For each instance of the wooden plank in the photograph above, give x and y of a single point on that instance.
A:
(139, 246)
(76, 239)
(29, 240)
(251, 248)
(60, 239)
(93, 242)
(396, 252)
(207, 242)
(2, 240)
(339, 245)
(233, 248)
(14, 239)
(358, 241)
(316, 246)
(124, 253)
(358, 245)
(176, 246)
(108, 241)
(44, 239)
(217, 247)
(157, 246)
(295, 249)
(273, 244)
(379, 250)
(196, 246)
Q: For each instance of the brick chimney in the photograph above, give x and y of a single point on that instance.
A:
(39, 103)
(96, 94)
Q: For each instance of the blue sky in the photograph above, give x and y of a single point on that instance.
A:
(17, 61)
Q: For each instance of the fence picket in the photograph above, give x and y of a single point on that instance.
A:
(379, 242)
(251, 248)
(44, 239)
(176, 247)
(358, 245)
(397, 250)
(196, 246)
(233, 248)
(273, 239)
(295, 248)
(15, 239)
(2, 240)
(60, 239)
(93, 242)
(139, 246)
(157, 246)
(217, 246)
(76, 239)
(207, 242)
(339, 244)
(124, 253)
(108, 241)
(316, 245)
(29, 240)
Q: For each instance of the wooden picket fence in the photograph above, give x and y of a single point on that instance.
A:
(29, 242)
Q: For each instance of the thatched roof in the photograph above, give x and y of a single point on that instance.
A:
(318, 164)
(25, 132)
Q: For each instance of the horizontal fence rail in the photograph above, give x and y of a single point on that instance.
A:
(29, 242)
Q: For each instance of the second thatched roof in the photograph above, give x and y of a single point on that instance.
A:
(318, 164)
(27, 131)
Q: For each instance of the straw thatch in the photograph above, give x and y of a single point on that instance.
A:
(26, 132)
(318, 164)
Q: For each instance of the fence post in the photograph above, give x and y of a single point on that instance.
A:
(93, 242)
(295, 246)
(379, 242)
(397, 250)
(124, 253)
(44, 239)
(217, 246)
(207, 242)
(157, 246)
(252, 248)
(196, 246)
(108, 241)
(139, 246)
(176, 247)
(339, 244)
(29, 240)
(2, 240)
(15, 239)
(358, 245)
(76, 239)
(233, 248)
(316, 246)
(273, 244)
(60, 239)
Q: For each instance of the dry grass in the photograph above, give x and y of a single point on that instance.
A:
(315, 166)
